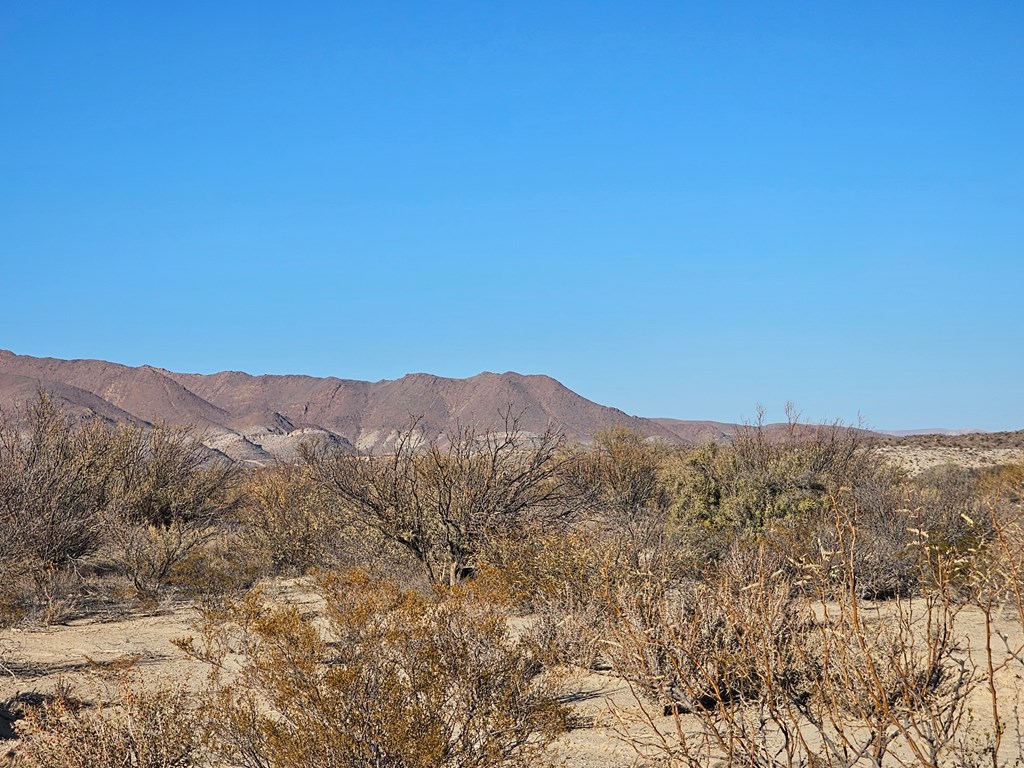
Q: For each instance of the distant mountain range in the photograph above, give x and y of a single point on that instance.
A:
(917, 432)
(264, 418)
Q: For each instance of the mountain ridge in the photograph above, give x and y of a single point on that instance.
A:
(266, 417)
(262, 418)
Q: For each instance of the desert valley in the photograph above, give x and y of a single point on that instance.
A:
(237, 570)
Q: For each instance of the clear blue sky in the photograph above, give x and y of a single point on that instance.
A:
(680, 209)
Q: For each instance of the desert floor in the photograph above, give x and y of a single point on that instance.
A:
(90, 656)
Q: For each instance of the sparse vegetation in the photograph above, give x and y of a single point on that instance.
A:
(53, 483)
(787, 599)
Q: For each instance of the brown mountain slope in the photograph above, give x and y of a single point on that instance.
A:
(144, 392)
(368, 414)
(260, 418)
(253, 418)
(16, 390)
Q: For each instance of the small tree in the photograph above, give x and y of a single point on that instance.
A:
(440, 499)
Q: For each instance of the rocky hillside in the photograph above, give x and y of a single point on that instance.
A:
(260, 418)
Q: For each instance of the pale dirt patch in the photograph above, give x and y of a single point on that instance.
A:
(917, 459)
(82, 653)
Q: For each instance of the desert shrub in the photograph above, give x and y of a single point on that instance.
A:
(155, 729)
(169, 498)
(780, 484)
(1000, 573)
(768, 474)
(441, 499)
(710, 643)
(218, 568)
(51, 483)
(286, 523)
(54, 475)
(1005, 484)
(386, 677)
(166, 475)
(563, 576)
(903, 528)
(140, 499)
(150, 555)
(756, 670)
(620, 480)
(561, 580)
(948, 503)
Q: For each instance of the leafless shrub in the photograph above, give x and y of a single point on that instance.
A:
(998, 580)
(53, 479)
(770, 664)
(167, 501)
(440, 499)
(702, 640)
(620, 482)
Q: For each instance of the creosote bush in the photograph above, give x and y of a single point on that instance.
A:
(388, 677)
(767, 475)
(561, 581)
(285, 523)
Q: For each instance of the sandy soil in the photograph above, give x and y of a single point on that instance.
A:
(916, 459)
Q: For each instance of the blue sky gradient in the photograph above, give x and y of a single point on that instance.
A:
(680, 209)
